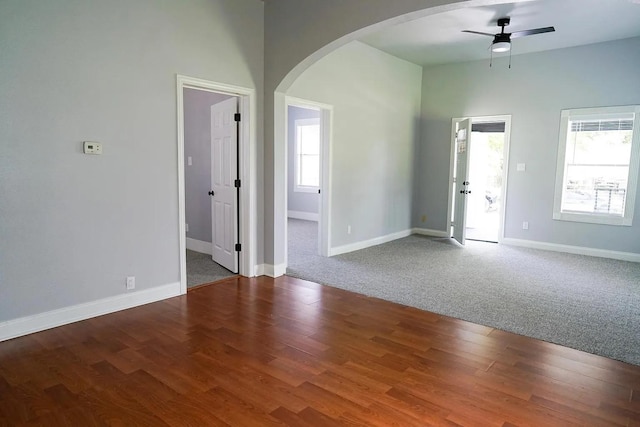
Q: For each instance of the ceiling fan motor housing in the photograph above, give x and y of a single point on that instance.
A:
(504, 37)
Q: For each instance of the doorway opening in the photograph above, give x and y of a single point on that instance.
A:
(480, 193)
(216, 197)
(486, 167)
(210, 144)
(307, 201)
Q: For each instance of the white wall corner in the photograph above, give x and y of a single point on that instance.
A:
(578, 250)
(430, 232)
(199, 246)
(368, 243)
(307, 216)
(63, 316)
(271, 270)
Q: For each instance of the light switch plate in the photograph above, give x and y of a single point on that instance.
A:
(521, 167)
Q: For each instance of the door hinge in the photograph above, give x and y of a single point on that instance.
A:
(236, 117)
(238, 247)
(236, 183)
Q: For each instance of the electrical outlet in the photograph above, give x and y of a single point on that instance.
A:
(186, 227)
(424, 218)
(525, 225)
(131, 282)
(348, 229)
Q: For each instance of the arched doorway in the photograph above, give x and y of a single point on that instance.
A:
(289, 54)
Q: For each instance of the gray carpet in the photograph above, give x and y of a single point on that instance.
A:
(587, 303)
(201, 269)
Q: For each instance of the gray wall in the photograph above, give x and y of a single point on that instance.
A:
(74, 226)
(197, 145)
(533, 91)
(297, 201)
(376, 102)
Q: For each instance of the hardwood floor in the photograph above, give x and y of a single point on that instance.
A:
(247, 352)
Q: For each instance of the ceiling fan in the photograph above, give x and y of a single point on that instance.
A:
(502, 40)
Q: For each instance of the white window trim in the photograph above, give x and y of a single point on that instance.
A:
(634, 163)
(303, 188)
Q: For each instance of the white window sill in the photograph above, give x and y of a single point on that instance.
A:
(306, 189)
(593, 218)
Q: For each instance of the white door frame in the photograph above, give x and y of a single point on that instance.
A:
(506, 118)
(324, 217)
(247, 157)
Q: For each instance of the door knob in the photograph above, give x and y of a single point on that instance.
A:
(211, 193)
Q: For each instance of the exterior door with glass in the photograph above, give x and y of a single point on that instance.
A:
(461, 180)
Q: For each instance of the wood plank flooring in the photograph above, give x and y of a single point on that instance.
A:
(263, 351)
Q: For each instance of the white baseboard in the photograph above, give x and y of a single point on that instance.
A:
(308, 216)
(271, 270)
(199, 246)
(429, 232)
(368, 243)
(51, 319)
(579, 250)
(254, 272)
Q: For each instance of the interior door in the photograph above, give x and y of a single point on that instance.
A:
(224, 201)
(461, 181)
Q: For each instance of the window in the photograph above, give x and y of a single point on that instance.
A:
(597, 173)
(307, 155)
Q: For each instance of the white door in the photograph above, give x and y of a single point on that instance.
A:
(461, 180)
(224, 201)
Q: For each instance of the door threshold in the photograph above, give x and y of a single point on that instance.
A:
(480, 240)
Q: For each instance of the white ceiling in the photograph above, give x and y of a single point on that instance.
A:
(438, 39)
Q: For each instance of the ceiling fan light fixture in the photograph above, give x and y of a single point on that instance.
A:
(499, 47)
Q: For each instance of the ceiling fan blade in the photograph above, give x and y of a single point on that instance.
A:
(532, 32)
(478, 32)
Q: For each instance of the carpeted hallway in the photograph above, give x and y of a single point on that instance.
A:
(587, 303)
(201, 269)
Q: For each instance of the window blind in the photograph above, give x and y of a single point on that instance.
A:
(600, 125)
(488, 127)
